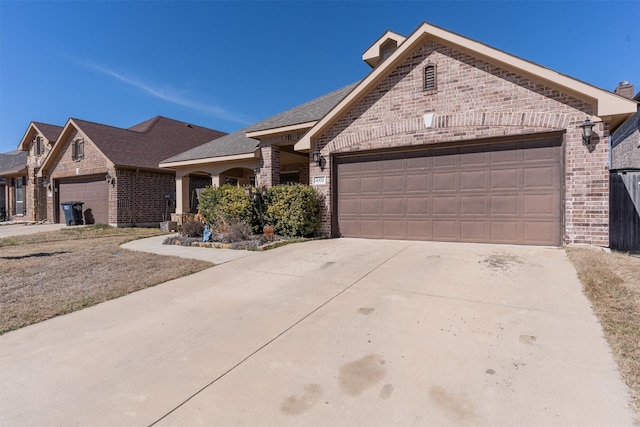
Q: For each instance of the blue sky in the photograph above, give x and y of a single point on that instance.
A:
(225, 65)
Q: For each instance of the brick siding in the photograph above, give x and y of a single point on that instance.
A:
(138, 197)
(475, 99)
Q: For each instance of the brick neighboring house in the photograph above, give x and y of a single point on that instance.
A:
(625, 179)
(115, 171)
(448, 139)
(13, 177)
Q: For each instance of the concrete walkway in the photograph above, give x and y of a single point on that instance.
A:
(342, 332)
(19, 229)
(213, 255)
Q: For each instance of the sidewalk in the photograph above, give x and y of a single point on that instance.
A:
(216, 256)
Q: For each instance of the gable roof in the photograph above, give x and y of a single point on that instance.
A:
(143, 145)
(233, 144)
(50, 132)
(304, 115)
(607, 104)
(13, 162)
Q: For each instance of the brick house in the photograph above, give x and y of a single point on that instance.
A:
(115, 171)
(13, 177)
(448, 139)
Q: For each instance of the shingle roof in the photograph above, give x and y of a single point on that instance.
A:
(13, 161)
(228, 145)
(146, 144)
(307, 112)
(51, 132)
(237, 142)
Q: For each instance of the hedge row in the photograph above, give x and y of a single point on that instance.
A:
(292, 210)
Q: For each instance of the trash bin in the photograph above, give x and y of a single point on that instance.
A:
(72, 213)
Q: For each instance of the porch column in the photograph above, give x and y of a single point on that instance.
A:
(270, 170)
(182, 194)
(215, 180)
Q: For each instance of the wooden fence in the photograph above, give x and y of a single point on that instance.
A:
(624, 210)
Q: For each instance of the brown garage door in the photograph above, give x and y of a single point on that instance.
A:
(93, 191)
(495, 193)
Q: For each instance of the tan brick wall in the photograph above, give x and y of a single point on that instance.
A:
(474, 100)
(35, 193)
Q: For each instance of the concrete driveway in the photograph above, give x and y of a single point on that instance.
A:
(339, 332)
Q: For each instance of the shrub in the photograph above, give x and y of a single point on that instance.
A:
(293, 210)
(231, 231)
(192, 228)
(226, 203)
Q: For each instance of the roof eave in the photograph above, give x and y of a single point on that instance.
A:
(280, 130)
(246, 156)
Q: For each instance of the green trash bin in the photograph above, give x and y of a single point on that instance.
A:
(72, 213)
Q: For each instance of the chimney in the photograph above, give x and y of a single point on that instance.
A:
(624, 89)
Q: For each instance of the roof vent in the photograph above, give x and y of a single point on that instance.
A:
(188, 125)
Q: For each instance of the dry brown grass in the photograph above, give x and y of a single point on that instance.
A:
(48, 274)
(611, 281)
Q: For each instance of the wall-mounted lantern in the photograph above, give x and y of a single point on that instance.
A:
(587, 131)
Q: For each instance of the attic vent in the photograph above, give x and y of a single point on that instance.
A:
(430, 77)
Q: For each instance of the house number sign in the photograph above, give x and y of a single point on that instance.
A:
(319, 180)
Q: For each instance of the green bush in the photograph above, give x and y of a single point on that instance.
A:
(226, 203)
(293, 210)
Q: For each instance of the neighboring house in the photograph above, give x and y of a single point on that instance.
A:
(114, 171)
(448, 139)
(13, 177)
(625, 180)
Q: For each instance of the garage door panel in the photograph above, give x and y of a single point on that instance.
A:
(370, 206)
(498, 193)
(473, 180)
(417, 182)
(541, 204)
(445, 230)
(505, 231)
(370, 184)
(93, 192)
(472, 231)
(417, 206)
(392, 206)
(419, 230)
(540, 177)
(393, 183)
(474, 205)
(505, 179)
(444, 181)
(394, 229)
(540, 232)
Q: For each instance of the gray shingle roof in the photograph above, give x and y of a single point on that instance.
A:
(238, 143)
(309, 111)
(228, 145)
(13, 161)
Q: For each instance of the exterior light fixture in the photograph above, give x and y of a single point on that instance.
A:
(109, 178)
(317, 158)
(587, 130)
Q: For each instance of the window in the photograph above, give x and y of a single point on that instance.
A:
(430, 77)
(19, 196)
(38, 149)
(77, 150)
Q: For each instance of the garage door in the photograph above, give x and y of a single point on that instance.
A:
(93, 191)
(494, 193)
